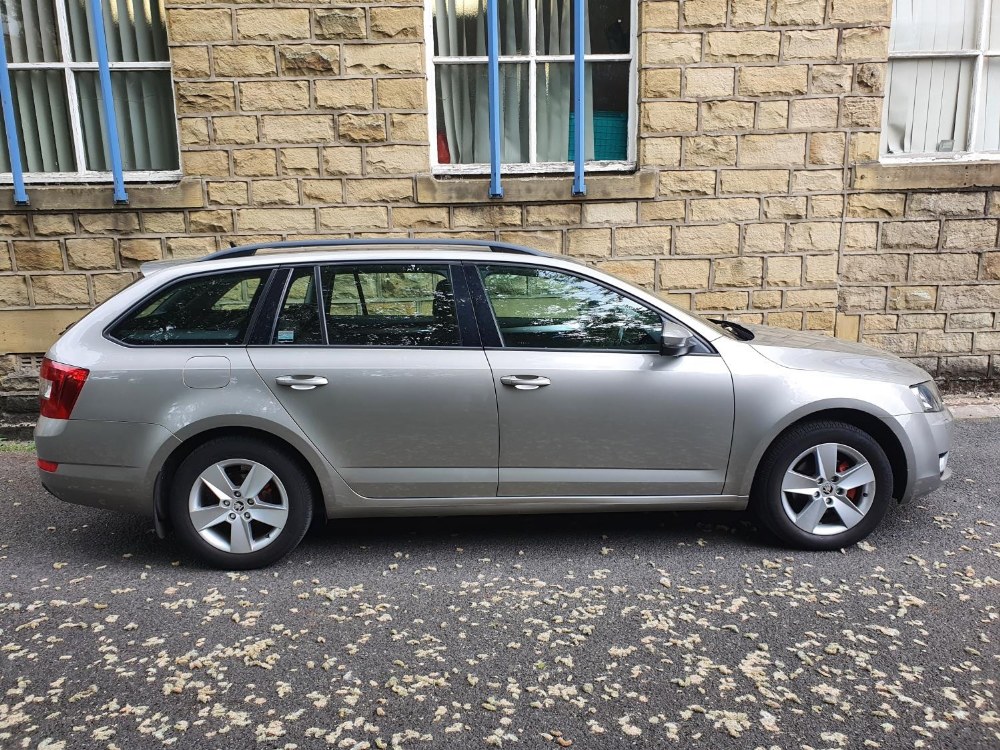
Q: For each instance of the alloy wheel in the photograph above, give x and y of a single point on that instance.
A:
(238, 505)
(828, 489)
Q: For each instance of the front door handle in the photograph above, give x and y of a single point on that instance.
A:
(525, 382)
(301, 382)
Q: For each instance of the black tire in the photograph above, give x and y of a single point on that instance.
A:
(766, 496)
(286, 468)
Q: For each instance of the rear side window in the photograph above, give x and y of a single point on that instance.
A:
(396, 304)
(370, 305)
(390, 305)
(207, 310)
(298, 322)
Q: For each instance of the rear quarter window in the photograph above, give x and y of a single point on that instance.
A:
(205, 310)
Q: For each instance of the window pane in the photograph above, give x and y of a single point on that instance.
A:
(30, 31)
(607, 30)
(460, 28)
(298, 322)
(989, 115)
(207, 310)
(993, 41)
(606, 92)
(929, 26)
(42, 116)
(145, 115)
(135, 30)
(387, 305)
(463, 117)
(928, 106)
(542, 309)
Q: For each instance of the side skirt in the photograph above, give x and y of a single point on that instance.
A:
(472, 506)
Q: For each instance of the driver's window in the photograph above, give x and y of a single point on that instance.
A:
(538, 308)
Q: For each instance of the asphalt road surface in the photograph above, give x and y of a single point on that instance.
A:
(586, 631)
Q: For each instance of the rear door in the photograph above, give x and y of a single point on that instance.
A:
(381, 366)
(588, 406)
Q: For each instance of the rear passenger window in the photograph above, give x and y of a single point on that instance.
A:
(298, 322)
(390, 305)
(207, 310)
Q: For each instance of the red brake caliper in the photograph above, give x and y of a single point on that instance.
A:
(841, 468)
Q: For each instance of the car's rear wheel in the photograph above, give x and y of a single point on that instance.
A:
(240, 503)
(822, 486)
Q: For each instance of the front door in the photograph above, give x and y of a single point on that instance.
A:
(384, 380)
(588, 406)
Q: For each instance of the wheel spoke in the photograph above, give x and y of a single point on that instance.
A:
(256, 479)
(808, 519)
(241, 540)
(798, 483)
(216, 480)
(272, 515)
(847, 512)
(826, 459)
(203, 518)
(857, 476)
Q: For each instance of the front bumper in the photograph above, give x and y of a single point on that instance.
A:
(930, 438)
(108, 465)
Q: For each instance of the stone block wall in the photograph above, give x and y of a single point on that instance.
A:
(758, 194)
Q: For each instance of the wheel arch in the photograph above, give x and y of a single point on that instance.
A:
(162, 486)
(886, 437)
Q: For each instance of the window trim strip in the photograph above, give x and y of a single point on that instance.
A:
(579, 122)
(13, 143)
(108, 104)
(493, 83)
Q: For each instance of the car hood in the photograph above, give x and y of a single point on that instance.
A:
(800, 350)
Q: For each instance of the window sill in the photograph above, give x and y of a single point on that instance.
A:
(926, 176)
(447, 190)
(183, 194)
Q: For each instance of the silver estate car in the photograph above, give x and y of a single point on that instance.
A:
(234, 398)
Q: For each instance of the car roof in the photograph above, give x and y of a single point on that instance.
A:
(306, 251)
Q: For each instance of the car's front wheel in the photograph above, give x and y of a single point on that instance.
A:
(239, 503)
(822, 486)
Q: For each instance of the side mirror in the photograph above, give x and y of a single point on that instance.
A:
(675, 340)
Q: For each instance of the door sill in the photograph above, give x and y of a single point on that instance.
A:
(503, 505)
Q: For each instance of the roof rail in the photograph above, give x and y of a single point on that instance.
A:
(246, 251)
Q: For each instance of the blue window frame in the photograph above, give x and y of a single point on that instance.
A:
(86, 93)
(509, 78)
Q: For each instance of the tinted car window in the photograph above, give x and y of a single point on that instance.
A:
(390, 305)
(539, 308)
(298, 322)
(212, 309)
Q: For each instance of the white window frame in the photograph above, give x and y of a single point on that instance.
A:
(70, 68)
(979, 56)
(532, 59)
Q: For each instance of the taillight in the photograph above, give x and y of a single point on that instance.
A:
(48, 466)
(59, 387)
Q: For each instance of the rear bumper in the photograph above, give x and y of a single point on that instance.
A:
(930, 437)
(110, 465)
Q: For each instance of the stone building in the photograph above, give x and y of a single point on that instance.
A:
(744, 169)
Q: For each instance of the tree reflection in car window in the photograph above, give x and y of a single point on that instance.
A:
(204, 310)
(390, 305)
(539, 308)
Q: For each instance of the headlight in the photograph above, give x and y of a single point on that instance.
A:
(928, 396)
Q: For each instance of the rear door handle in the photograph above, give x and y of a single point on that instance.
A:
(301, 382)
(525, 382)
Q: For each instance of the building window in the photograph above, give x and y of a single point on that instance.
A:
(943, 92)
(53, 65)
(536, 85)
